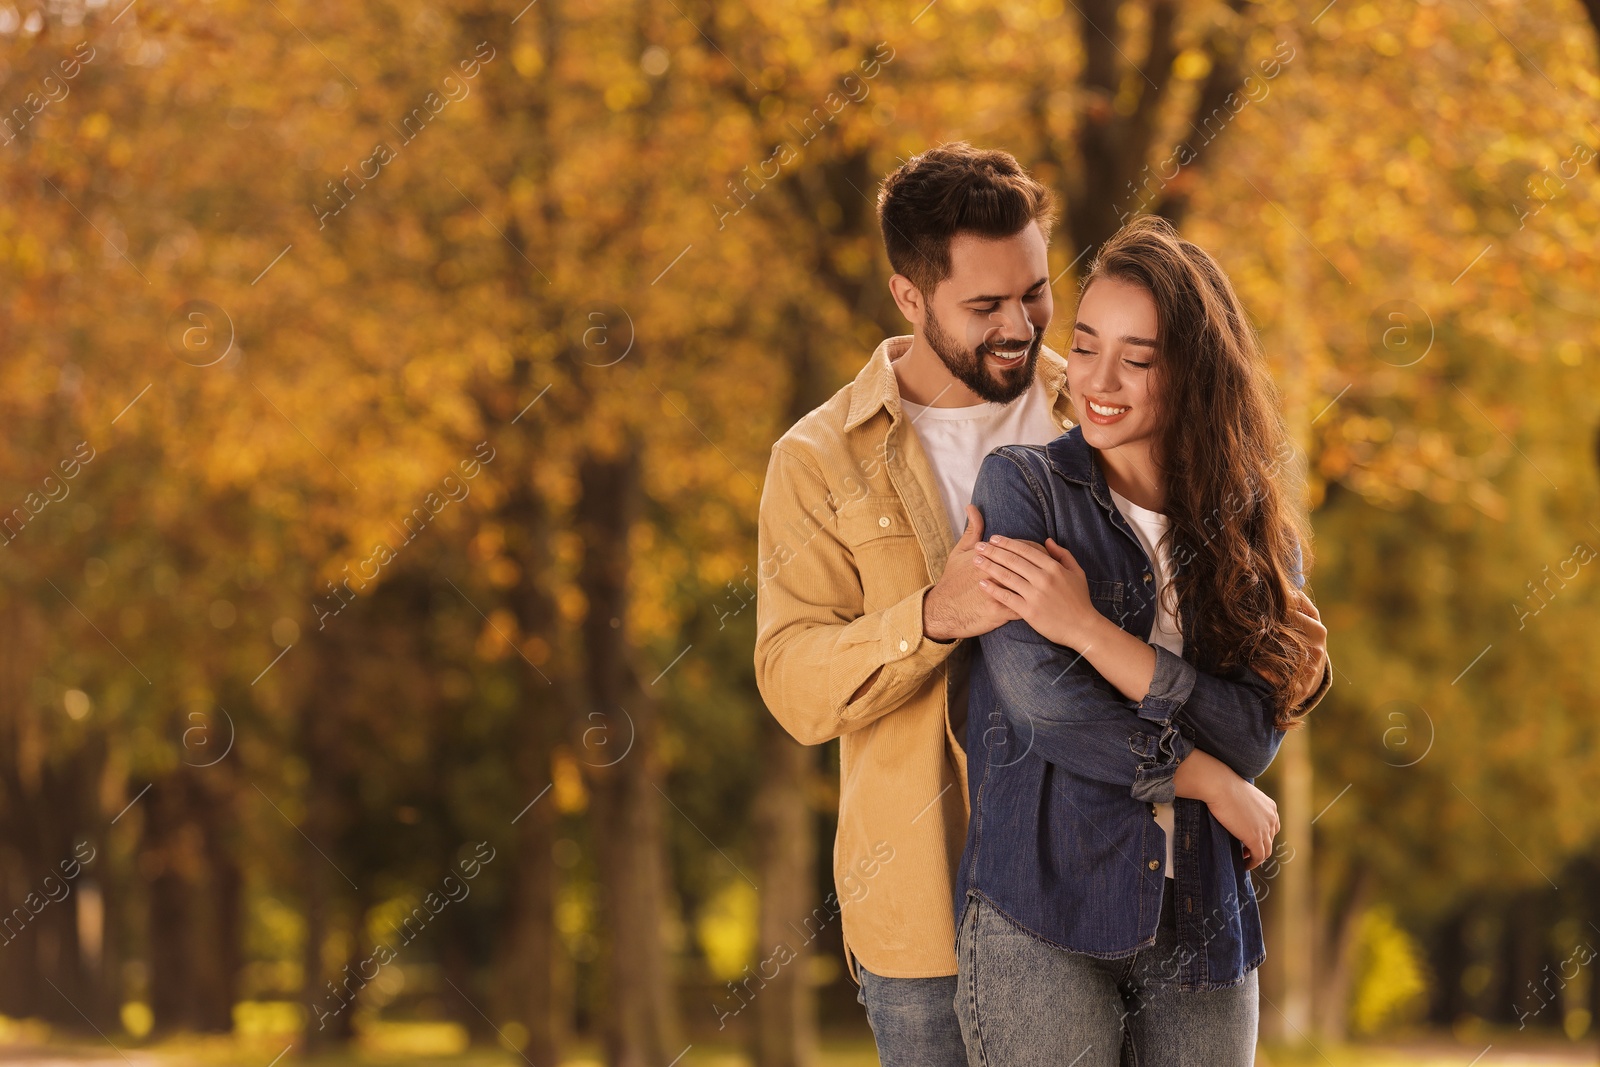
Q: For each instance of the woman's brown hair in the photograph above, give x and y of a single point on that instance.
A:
(1236, 538)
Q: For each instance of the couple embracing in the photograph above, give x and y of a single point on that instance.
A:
(1052, 610)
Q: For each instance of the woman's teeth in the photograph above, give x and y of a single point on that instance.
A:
(1102, 409)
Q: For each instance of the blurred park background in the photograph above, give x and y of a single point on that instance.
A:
(387, 390)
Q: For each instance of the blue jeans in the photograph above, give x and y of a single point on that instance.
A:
(1026, 1003)
(913, 1020)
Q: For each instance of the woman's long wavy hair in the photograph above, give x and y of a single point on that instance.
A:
(1235, 535)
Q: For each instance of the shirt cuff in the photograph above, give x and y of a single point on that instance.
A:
(903, 635)
(1153, 780)
(1169, 687)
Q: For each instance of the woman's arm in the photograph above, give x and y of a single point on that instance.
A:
(1232, 716)
(1243, 810)
(1057, 704)
(1053, 701)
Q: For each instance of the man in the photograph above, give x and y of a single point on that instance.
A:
(867, 589)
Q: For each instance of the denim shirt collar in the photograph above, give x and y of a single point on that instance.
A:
(1073, 459)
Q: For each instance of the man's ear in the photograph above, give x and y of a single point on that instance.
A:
(908, 298)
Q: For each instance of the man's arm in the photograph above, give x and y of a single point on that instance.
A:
(824, 665)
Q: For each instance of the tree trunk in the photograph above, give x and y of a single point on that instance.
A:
(527, 990)
(1449, 957)
(218, 958)
(167, 852)
(618, 746)
(327, 1014)
(1296, 918)
(1295, 911)
(786, 1012)
(1335, 954)
(527, 987)
(48, 805)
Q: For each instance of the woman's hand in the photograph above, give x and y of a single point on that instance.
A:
(1243, 810)
(1250, 815)
(1044, 586)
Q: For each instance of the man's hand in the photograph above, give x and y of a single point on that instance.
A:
(1309, 622)
(955, 606)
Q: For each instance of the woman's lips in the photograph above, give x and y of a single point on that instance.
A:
(1107, 413)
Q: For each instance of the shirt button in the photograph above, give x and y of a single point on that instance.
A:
(904, 645)
(1154, 864)
(1148, 577)
(883, 521)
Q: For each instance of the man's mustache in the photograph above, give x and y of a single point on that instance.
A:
(1009, 346)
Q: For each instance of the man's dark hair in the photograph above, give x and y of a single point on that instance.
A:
(953, 189)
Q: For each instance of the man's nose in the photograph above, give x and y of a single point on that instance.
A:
(1010, 323)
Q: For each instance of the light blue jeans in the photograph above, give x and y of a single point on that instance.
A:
(1024, 1002)
(913, 1020)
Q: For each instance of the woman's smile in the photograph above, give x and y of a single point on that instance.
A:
(1103, 413)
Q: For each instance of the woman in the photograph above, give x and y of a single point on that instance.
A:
(1104, 909)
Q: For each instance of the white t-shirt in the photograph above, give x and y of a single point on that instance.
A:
(1150, 526)
(957, 439)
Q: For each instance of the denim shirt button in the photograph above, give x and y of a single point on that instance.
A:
(1154, 864)
(1148, 577)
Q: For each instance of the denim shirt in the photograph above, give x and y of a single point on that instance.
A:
(1063, 770)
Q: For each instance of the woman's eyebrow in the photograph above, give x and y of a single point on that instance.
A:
(1129, 339)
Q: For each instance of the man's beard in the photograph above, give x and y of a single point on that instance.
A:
(968, 367)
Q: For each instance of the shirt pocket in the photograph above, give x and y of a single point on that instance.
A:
(1107, 599)
(887, 554)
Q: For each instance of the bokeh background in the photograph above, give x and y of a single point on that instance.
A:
(387, 390)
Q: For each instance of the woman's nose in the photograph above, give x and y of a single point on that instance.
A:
(1104, 377)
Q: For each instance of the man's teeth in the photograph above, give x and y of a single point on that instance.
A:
(1101, 409)
(1018, 354)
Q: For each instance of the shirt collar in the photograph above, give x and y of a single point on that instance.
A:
(876, 388)
(1071, 457)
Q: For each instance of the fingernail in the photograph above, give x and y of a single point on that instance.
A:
(997, 539)
(982, 547)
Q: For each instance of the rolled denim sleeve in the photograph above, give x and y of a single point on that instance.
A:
(1054, 701)
(1230, 716)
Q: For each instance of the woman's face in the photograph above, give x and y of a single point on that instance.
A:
(1112, 369)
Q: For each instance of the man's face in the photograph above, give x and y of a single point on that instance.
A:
(986, 321)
